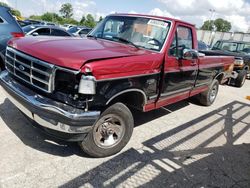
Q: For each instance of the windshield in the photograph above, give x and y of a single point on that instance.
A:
(73, 29)
(141, 32)
(28, 28)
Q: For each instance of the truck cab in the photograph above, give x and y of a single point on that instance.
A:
(84, 89)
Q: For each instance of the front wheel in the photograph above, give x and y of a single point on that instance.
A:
(208, 97)
(110, 133)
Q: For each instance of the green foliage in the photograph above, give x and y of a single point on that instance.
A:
(222, 25)
(4, 4)
(100, 19)
(66, 18)
(208, 25)
(51, 17)
(90, 21)
(82, 21)
(219, 24)
(35, 17)
(14, 12)
(66, 10)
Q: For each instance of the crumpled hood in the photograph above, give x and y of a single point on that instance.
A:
(72, 52)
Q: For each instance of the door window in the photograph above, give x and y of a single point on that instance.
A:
(43, 31)
(183, 39)
(59, 33)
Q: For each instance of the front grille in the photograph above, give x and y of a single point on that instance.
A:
(31, 70)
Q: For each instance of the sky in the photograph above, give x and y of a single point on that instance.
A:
(193, 11)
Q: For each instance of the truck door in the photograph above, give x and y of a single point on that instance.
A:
(179, 74)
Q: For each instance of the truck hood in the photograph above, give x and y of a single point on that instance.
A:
(73, 52)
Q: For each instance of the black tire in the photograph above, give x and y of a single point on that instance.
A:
(241, 78)
(96, 147)
(208, 97)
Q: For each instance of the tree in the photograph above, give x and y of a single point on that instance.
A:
(90, 21)
(14, 12)
(208, 25)
(82, 21)
(100, 19)
(66, 10)
(219, 24)
(51, 17)
(222, 25)
(4, 4)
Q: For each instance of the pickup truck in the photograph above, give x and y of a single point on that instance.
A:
(83, 90)
(241, 51)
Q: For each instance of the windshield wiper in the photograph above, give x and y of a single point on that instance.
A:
(126, 41)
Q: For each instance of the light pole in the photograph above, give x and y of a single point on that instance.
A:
(211, 17)
(211, 23)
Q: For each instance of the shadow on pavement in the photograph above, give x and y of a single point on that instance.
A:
(35, 138)
(32, 137)
(206, 152)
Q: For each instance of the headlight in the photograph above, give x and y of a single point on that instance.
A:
(87, 85)
(238, 62)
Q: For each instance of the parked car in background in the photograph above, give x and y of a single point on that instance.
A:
(33, 22)
(79, 31)
(84, 89)
(36, 22)
(23, 23)
(240, 50)
(43, 30)
(202, 45)
(67, 26)
(9, 28)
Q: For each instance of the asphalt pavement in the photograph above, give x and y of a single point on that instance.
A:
(183, 145)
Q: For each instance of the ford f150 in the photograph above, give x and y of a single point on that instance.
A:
(83, 89)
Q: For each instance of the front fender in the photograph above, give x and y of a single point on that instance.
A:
(108, 90)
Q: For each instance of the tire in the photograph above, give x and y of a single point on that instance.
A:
(208, 97)
(240, 80)
(110, 133)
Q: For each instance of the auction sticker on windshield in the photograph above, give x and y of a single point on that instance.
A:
(158, 23)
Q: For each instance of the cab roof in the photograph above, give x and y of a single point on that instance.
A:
(152, 16)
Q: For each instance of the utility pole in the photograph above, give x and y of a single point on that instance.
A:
(211, 17)
(211, 23)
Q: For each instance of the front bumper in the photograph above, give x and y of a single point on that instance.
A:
(58, 117)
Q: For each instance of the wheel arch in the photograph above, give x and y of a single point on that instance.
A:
(246, 68)
(133, 97)
(220, 77)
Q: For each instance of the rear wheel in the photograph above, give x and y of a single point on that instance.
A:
(241, 78)
(208, 97)
(110, 133)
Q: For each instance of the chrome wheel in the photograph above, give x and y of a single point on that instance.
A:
(213, 93)
(109, 131)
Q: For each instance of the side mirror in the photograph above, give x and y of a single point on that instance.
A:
(190, 54)
(35, 34)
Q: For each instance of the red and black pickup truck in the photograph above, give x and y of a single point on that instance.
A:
(83, 89)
